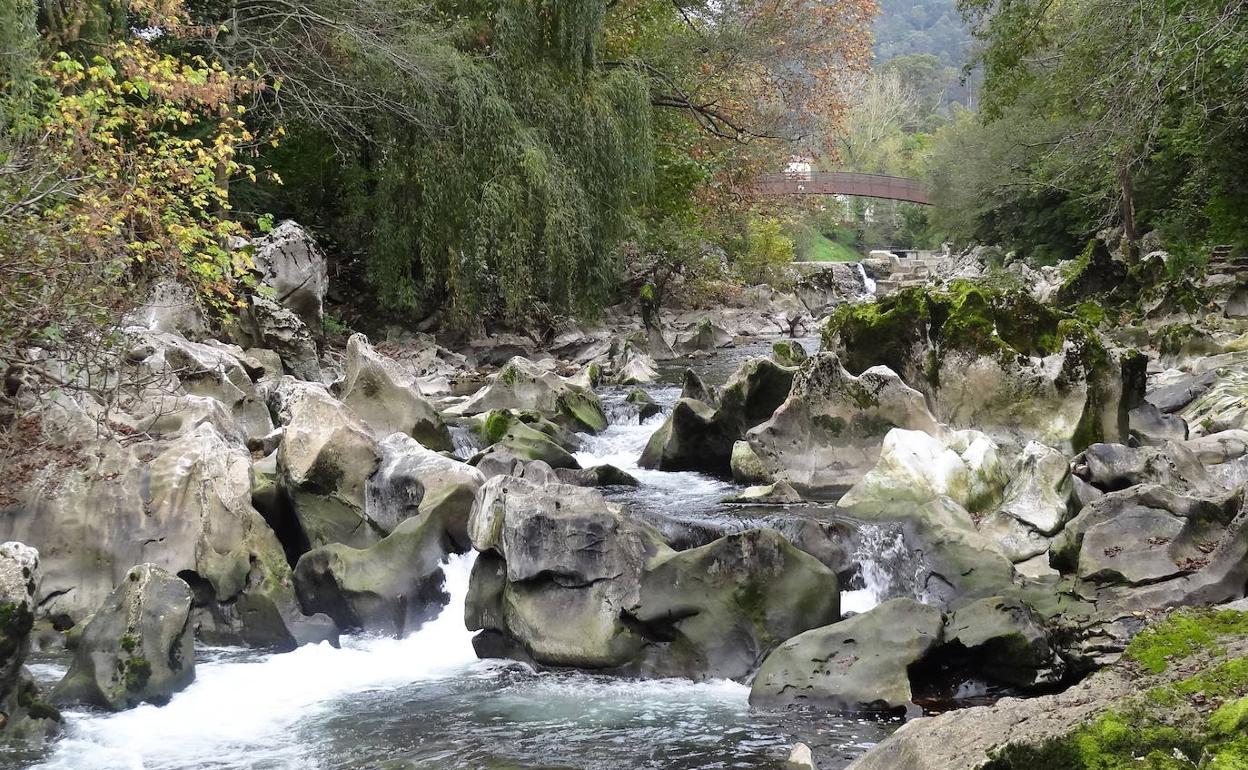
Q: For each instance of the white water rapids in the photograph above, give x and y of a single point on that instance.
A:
(868, 283)
(244, 709)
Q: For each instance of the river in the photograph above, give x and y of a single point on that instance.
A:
(426, 701)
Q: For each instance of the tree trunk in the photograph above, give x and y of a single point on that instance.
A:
(1130, 236)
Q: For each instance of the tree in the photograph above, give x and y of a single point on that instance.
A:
(111, 179)
(1128, 89)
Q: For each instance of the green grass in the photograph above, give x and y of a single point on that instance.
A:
(825, 249)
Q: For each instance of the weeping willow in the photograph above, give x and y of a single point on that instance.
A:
(509, 200)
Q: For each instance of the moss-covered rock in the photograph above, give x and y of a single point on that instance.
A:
(525, 436)
(138, 648)
(25, 719)
(994, 359)
(829, 430)
(1175, 702)
(523, 385)
(699, 436)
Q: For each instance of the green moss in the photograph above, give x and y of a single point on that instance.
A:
(973, 316)
(129, 642)
(1231, 718)
(495, 426)
(1183, 634)
(1172, 337)
(582, 411)
(1091, 313)
(36, 708)
(510, 375)
(138, 672)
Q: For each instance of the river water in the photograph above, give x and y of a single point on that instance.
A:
(427, 702)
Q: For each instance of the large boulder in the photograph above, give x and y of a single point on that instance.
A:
(859, 664)
(524, 436)
(996, 361)
(917, 467)
(830, 428)
(26, 717)
(706, 336)
(324, 461)
(566, 579)
(387, 398)
(391, 588)
(187, 377)
(718, 610)
(413, 481)
(184, 506)
(137, 648)
(1004, 640)
(525, 386)
(264, 323)
(1223, 405)
(291, 264)
(1038, 501)
(699, 436)
(1144, 534)
(170, 307)
(558, 569)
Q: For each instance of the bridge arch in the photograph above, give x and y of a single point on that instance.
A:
(813, 182)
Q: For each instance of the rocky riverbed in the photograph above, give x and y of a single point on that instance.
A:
(793, 519)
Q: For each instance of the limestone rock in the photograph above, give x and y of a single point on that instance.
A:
(1111, 467)
(188, 510)
(859, 664)
(997, 361)
(559, 565)
(697, 436)
(325, 459)
(525, 437)
(789, 353)
(917, 467)
(718, 610)
(137, 648)
(170, 307)
(387, 398)
(189, 375)
(779, 493)
(1149, 426)
(829, 430)
(265, 323)
(1005, 640)
(646, 406)
(28, 718)
(522, 385)
(293, 266)
(391, 588)
(414, 481)
(706, 336)
(693, 387)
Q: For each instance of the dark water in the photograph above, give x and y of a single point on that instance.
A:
(426, 702)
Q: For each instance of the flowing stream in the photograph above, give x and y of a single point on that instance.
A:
(426, 701)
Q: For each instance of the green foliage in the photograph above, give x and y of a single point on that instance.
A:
(767, 252)
(1165, 727)
(1183, 634)
(1092, 102)
(118, 159)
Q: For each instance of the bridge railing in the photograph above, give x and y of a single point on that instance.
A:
(814, 182)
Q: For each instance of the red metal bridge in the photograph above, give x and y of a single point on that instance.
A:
(814, 182)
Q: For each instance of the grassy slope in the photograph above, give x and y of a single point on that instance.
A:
(827, 250)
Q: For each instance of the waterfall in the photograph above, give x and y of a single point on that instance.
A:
(868, 283)
(887, 569)
(242, 708)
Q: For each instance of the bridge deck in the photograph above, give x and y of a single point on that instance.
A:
(844, 183)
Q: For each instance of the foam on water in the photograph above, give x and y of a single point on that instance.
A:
(238, 714)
